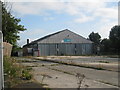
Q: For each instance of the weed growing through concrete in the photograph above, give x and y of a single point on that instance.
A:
(86, 86)
(103, 62)
(80, 78)
(44, 76)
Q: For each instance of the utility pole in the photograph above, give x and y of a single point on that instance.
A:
(1, 51)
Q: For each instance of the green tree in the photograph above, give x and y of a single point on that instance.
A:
(10, 27)
(105, 45)
(95, 37)
(114, 37)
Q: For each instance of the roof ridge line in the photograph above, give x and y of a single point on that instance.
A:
(46, 36)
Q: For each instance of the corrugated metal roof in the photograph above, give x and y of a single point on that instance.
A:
(64, 36)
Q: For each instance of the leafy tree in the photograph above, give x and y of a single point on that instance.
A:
(10, 27)
(95, 37)
(105, 45)
(114, 37)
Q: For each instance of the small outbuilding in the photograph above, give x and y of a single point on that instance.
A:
(64, 42)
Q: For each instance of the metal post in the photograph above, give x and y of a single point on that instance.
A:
(1, 62)
(1, 51)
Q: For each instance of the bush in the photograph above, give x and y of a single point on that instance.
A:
(26, 75)
(15, 73)
(10, 68)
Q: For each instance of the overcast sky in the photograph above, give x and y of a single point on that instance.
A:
(43, 18)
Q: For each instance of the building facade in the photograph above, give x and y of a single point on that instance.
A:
(64, 42)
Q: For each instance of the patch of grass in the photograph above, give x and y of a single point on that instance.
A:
(113, 56)
(54, 64)
(14, 73)
(28, 56)
(67, 73)
(99, 67)
(26, 75)
(24, 61)
(42, 65)
(32, 66)
(21, 61)
(85, 66)
(61, 71)
(29, 68)
(103, 62)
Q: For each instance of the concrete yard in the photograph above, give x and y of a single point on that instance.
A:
(88, 61)
(55, 75)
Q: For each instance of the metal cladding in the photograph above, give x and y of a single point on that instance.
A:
(63, 42)
(65, 36)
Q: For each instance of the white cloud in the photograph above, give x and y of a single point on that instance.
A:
(49, 18)
(110, 13)
(22, 42)
(31, 35)
(84, 19)
(105, 28)
(35, 32)
(35, 8)
(86, 11)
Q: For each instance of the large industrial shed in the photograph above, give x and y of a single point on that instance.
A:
(64, 42)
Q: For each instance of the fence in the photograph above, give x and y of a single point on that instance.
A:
(7, 48)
